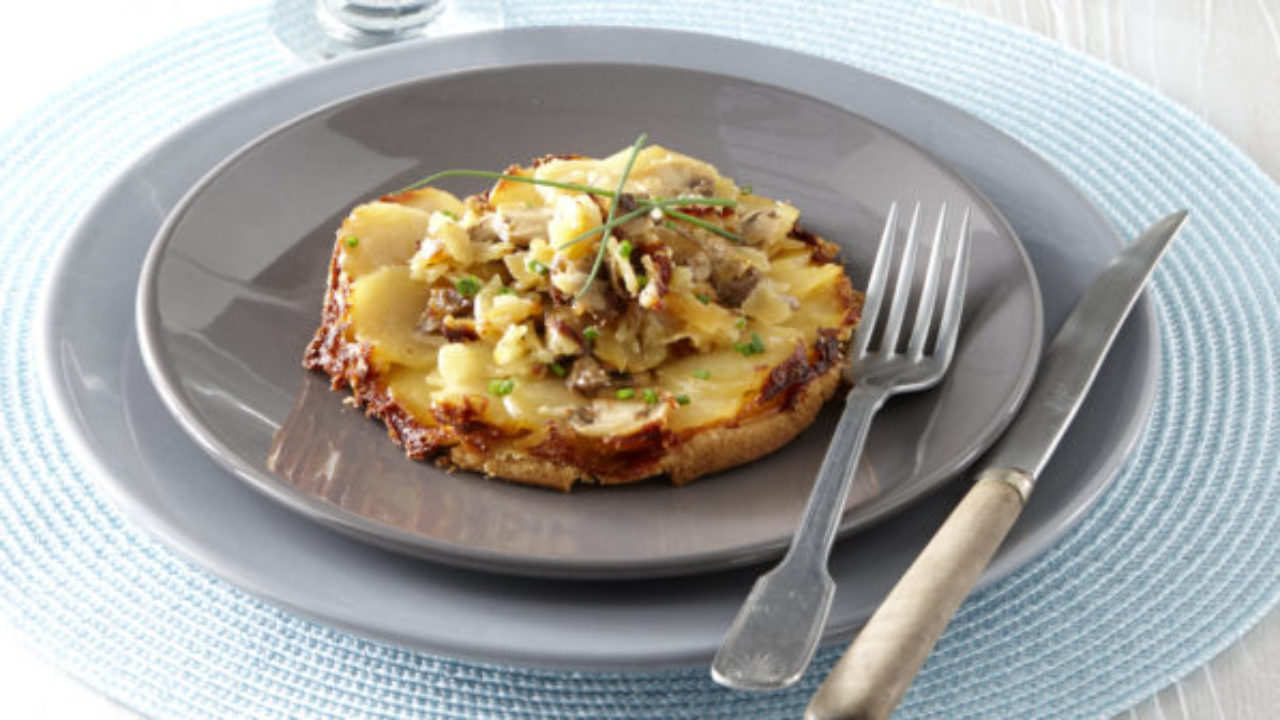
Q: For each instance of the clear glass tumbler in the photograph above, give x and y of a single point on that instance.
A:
(317, 30)
(376, 20)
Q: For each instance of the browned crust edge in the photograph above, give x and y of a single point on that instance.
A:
(699, 453)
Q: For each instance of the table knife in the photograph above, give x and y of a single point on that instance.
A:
(876, 670)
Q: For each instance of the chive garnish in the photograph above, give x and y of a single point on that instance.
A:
(693, 200)
(591, 333)
(506, 290)
(607, 227)
(702, 373)
(625, 393)
(578, 187)
(709, 227)
(703, 298)
(624, 249)
(741, 322)
(646, 206)
(650, 396)
(667, 208)
(683, 399)
(574, 186)
(557, 369)
(502, 387)
(755, 347)
(613, 212)
(468, 285)
(451, 215)
(351, 241)
(641, 280)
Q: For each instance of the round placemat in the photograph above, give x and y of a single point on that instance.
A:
(1174, 562)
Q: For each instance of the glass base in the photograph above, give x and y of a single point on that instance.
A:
(318, 30)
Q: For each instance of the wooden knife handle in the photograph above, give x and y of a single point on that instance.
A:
(875, 672)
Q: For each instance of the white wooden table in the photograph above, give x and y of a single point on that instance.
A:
(1220, 59)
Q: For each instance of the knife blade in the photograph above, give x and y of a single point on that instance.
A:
(1075, 355)
(884, 658)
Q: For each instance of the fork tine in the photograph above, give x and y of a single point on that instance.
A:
(929, 293)
(902, 289)
(950, 328)
(876, 283)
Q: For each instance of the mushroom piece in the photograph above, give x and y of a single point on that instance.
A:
(733, 282)
(619, 422)
(588, 376)
(442, 304)
(520, 225)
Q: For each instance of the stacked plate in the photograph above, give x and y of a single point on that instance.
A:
(200, 422)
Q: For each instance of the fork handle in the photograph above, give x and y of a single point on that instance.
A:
(878, 667)
(812, 542)
(772, 640)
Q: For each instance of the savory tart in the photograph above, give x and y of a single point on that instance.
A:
(586, 320)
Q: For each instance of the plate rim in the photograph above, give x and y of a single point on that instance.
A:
(167, 383)
(63, 408)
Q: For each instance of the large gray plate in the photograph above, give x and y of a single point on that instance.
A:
(231, 291)
(163, 481)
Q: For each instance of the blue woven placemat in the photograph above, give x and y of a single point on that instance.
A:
(1177, 559)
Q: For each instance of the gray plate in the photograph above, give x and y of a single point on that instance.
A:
(232, 289)
(118, 426)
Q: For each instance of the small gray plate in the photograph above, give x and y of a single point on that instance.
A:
(232, 290)
(115, 423)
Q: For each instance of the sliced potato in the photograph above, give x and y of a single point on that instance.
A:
(385, 310)
(514, 192)
(380, 234)
(765, 223)
(409, 387)
(429, 200)
(800, 278)
(455, 240)
(704, 409)
(707, 324)
(766, 304)
(466, 364)
(573, 216)
(534, 401)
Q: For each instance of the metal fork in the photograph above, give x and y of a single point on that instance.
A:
(777, 630)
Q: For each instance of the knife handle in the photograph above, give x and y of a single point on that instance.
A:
(878, 667)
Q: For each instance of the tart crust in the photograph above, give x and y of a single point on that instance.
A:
(557, 456)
